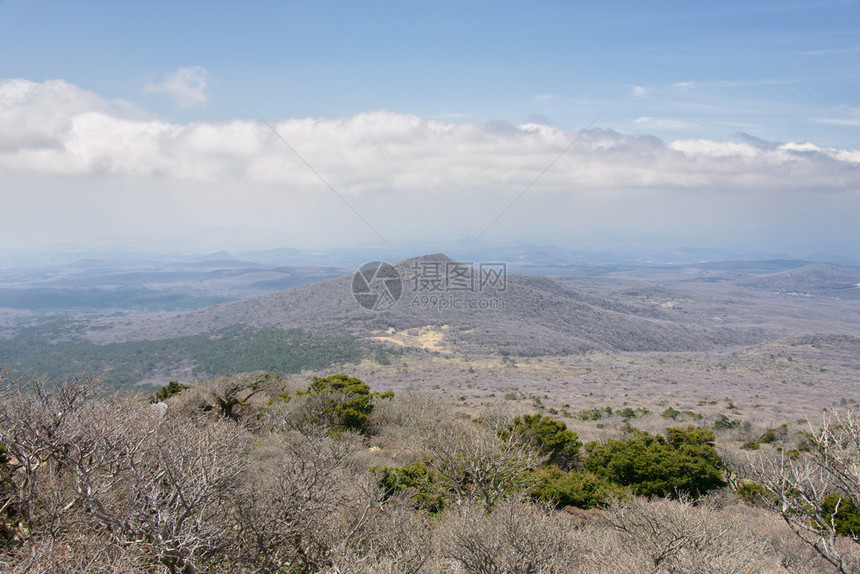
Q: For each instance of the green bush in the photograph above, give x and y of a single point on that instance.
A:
(723, 422)
(772, 435)
(685, 461)
(769, 436)
(343, 402)
(754, 493)
(579, 488)
(591, 415)
(167, 391)
(551, 437)
(416, 481)
(847, 517)
(627, 413)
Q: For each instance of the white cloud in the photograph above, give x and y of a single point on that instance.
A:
(185, 86)
(800, 146)
(63, 150)
(37, 115)
(640, 92)
(382, 151)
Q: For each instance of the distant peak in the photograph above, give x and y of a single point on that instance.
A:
(434, 257)
(217, 256)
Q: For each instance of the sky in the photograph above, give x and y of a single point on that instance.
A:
(199, 126)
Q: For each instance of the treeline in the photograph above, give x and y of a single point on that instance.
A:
(246, 473)
(46, 350)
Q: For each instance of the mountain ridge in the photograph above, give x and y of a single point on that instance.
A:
(532, 315)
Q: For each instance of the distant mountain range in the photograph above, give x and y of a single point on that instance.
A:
(147, 323)
(532, 315)
(816, 279)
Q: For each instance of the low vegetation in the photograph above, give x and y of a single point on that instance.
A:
(254, 473)
(685, 462)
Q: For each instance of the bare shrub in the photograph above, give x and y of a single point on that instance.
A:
(65, 442)
(392, 539)
(407, 419)
(801, 485)
(150, 481)
(670, 536)
(305, 414)
(229, 396)
(181, 485)
(82, 553)
(291, 507)
(498, 416)
(514, 538)
(475, 464)
(794, 555)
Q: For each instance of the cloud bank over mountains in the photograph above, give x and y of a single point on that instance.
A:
(70, 157)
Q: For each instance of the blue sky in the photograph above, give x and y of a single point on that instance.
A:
(759, 85)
